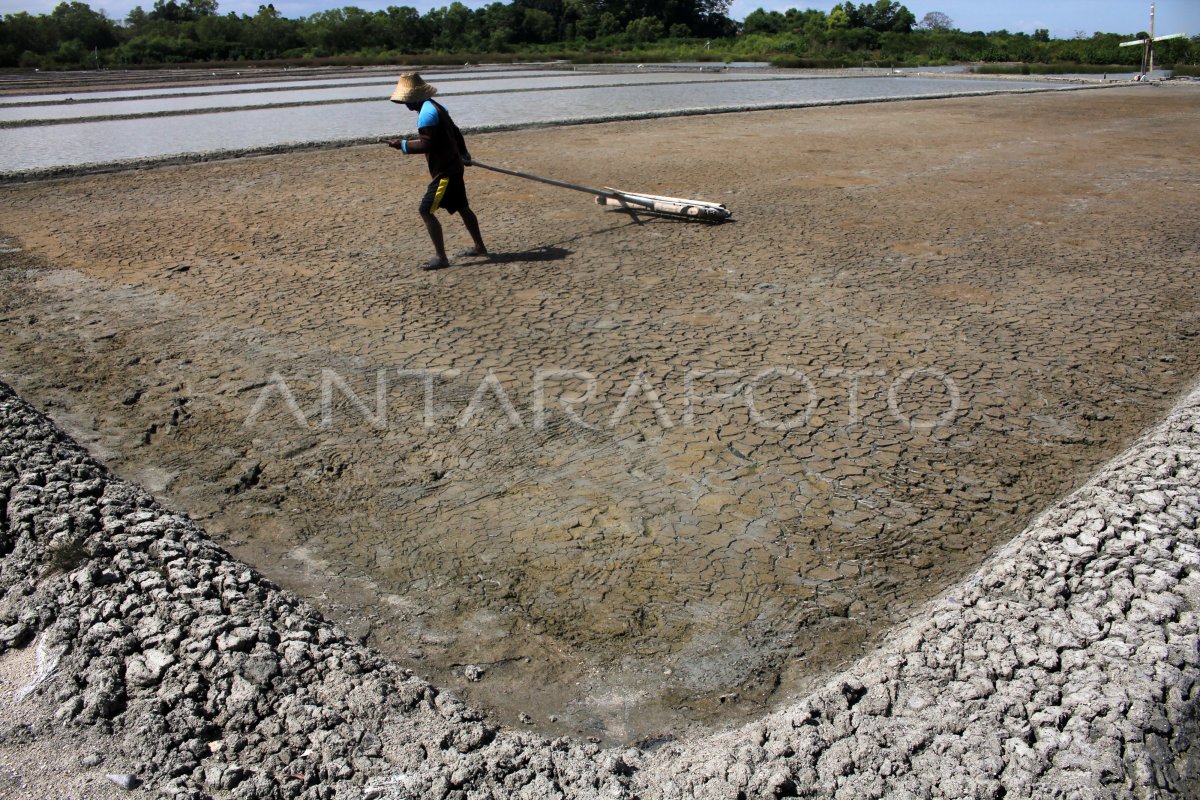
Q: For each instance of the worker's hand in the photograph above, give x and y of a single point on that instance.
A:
(396, 143)
(467, 161)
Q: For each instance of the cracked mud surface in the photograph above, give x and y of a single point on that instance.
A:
(1067, 666)
(1037, 253)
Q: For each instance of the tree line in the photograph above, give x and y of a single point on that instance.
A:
(888, 33)
(76, 36)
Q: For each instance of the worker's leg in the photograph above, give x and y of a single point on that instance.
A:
(435, 235)
(472, 224)
(429, 206)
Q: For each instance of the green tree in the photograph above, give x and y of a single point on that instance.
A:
(936, 21)
(71, 53)
(709, 17)
(268, 34)
(572, 12)
(78, 22)
(882, 15)
(453, 28)
(137, 19)
(761, 21)
(839, 20)
(538, 26)
(189, 10)
(645, 29)
(29, 34)
(885, 15)
(608, 24)
(404, 30)
(344, 30)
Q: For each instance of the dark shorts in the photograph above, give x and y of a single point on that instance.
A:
(449, 194)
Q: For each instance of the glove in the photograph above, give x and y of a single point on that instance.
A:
(466, 158)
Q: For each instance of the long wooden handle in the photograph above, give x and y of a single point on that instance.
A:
(604, 193)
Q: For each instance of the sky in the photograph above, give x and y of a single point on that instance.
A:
(1063, 18)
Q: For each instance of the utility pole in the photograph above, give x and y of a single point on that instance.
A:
(1150, 42)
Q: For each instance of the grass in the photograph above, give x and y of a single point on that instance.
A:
(1065, 68)
(793, 62)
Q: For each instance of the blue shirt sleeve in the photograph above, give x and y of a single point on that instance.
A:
(429, 116)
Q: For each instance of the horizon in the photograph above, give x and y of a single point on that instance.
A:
(1061, 17)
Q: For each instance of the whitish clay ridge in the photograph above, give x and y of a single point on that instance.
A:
(1067, 666)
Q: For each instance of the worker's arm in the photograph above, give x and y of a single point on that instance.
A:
(412, 146)
(426, 126)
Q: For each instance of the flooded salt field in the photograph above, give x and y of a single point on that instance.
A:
(666, 474)
(241, 88)
(373, 90)
(360, 112)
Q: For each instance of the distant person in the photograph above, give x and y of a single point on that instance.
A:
(446, 153)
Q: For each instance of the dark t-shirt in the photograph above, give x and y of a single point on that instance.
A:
(440, 140)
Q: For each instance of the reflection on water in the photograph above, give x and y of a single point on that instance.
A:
(101, 142)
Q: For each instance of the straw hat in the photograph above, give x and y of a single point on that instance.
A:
(412, 88)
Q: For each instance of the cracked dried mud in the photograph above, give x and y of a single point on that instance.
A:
(948, 313)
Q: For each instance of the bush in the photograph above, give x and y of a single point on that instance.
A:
(1064, 68)
(789, 62)
(645, 29)
(608, 25)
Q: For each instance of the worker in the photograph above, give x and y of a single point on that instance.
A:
(446, 153)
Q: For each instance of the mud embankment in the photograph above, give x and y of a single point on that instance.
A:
(1069, 663)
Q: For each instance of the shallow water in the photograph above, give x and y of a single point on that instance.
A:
(375, 90)
(119, 140)
(153, 91)
(713, 64)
